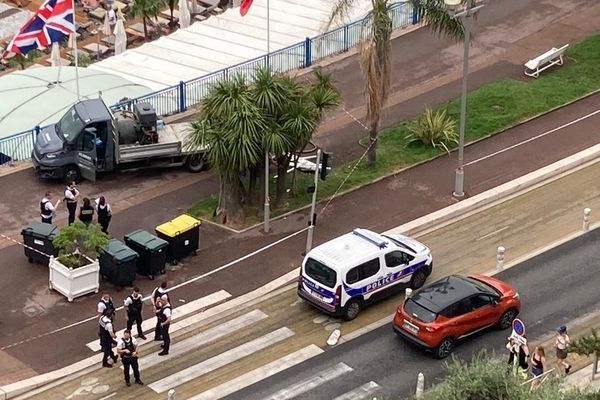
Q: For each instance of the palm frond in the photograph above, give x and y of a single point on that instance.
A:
(433, 13)
(339, 12)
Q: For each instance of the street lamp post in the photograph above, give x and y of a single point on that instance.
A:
(267, 203)
(470, 8)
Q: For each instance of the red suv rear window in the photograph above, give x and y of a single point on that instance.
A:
(418, 311)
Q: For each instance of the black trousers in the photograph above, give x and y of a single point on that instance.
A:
(46, 220)
(133, 363)
(72, 207)
(104, 224)
(157, 330)
(166, 337)
(135, 319)
(107, 351)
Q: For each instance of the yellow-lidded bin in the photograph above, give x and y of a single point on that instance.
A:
(183, 235)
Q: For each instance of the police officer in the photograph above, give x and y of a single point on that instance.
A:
(104, 213)
(47, 209)
(165, 322)
(86, 212)
(105, 303)
(127, 349)
(71, 195)
(107, 336)
(157, 293)
(133, 304)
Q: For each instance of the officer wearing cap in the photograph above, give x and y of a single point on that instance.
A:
(107, 335)
(165, 322)
(127, 349)
(133, 304)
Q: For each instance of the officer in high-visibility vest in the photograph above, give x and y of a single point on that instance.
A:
(127, 349)
(107, 335)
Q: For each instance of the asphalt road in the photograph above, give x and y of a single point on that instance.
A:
(555, 287)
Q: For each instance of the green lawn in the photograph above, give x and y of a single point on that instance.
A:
(490, 109)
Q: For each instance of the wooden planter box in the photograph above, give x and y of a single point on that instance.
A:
(74, 282)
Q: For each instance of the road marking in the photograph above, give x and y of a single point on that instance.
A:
(113, 394)
(367, 328)
(178, 313)
(363, 392)
(250, 378)
(308, 384)
(210, 335)
(533, 138)
(491, 233)
(227, 357)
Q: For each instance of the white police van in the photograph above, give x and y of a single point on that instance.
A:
(342, 275)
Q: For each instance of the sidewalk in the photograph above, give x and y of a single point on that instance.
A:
(401, 198)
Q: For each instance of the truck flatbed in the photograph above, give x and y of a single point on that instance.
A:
(170, 142)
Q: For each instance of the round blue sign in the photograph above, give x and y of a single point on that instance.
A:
(518, 327)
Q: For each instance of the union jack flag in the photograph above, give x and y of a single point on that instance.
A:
(52, 21)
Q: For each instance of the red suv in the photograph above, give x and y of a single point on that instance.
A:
(436, 316)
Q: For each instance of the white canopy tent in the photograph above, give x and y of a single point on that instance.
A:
(222, 41)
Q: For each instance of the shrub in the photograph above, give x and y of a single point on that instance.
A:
(77, 243)
(83, 60)
(433, 128)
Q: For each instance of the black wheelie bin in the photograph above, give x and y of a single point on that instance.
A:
(118, 263)
(39, 236)
(152, 251)
(183, 235)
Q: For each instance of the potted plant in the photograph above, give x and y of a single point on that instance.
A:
(75, 271)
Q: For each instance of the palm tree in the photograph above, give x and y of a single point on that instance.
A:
(375, 49)
(147, 9)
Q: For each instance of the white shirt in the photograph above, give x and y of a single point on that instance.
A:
(107, 324)
(562, 342)
(167, 311)
(48, 205)
(128, 301)
(69, 195)
(105, 205)
(101, 307)
(121, 342)
(158, 292)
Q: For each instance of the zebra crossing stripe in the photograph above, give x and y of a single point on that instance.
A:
(306, 385)
(209, 335)
(257, 375)
(364, 392)
(227, 357)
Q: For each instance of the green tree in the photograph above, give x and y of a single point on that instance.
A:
(24, 60)
(486, 377)
(241, 121)
(147, 9)
(375, 50)
(586, 346)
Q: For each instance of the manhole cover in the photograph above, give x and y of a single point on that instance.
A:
(33, 310)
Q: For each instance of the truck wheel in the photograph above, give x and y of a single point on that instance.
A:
(71, 173)
(352, 309)
(195, 163)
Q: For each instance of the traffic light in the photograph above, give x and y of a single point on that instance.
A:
(324, 164)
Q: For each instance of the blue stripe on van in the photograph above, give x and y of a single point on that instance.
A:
(383, 282)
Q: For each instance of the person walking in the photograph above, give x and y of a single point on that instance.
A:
(86, 212)
(104, 213)
(127, 349)
(107, 336)
(47, 209)
(133, 304)
(71, 195)
(561, 344)
(157, 293)
(165, 323)
(538, 360)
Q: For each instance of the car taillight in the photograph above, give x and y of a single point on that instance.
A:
(338, 295)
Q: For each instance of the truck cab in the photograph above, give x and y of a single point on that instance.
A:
(80, 144)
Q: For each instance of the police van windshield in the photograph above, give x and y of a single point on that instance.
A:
(320, 272)
(419, 312)
(69, 125)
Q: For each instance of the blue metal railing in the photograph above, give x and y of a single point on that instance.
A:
(178, 98)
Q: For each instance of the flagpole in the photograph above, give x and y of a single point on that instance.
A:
(75, 51)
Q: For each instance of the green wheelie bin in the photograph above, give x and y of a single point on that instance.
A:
(38, 236)
(118, 263)
(152, 251)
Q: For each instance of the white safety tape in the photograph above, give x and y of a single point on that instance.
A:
(23, 244)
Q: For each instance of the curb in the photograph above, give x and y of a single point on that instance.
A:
(526, 182)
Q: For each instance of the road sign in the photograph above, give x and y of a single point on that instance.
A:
(518, 332)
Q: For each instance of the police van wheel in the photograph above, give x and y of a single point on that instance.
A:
(71, 173)
(352, 310)
(418, 279)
